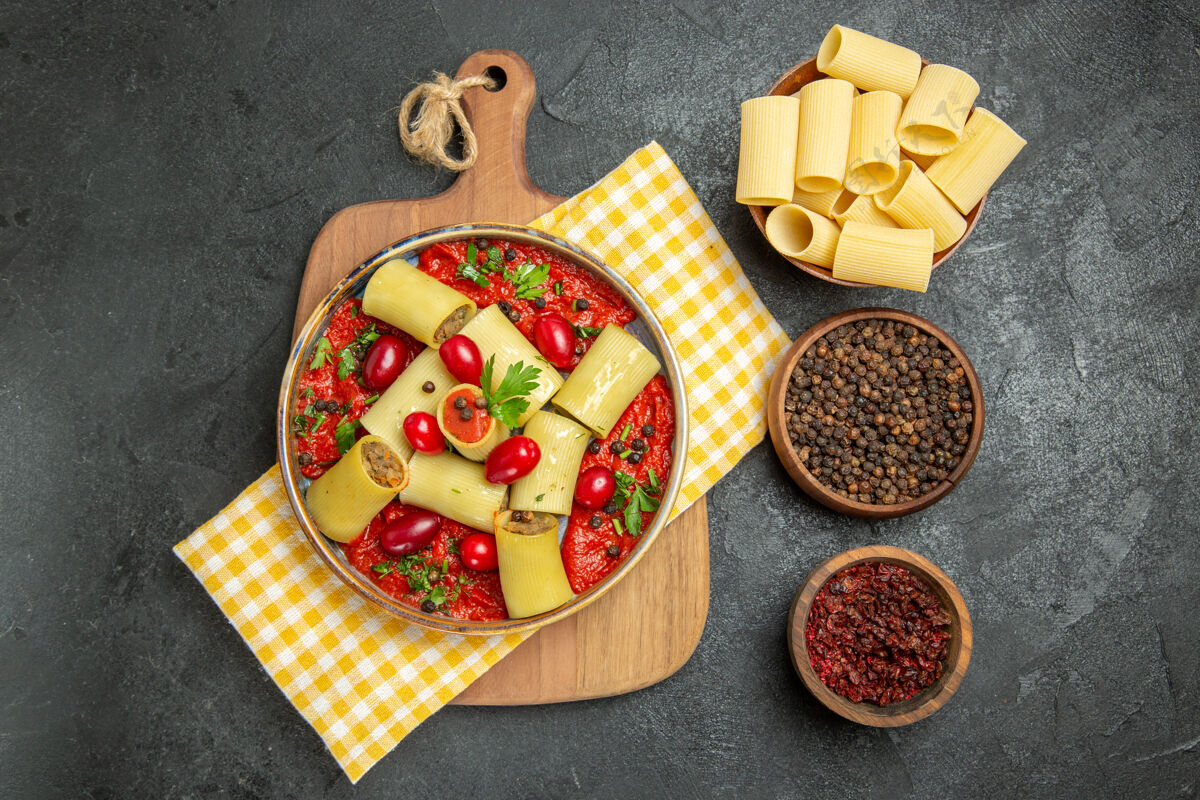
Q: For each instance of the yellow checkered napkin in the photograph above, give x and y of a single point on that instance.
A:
(362, 679)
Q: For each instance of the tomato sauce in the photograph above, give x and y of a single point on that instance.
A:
(468, 594)
(566, 285)
(456, 590)
(465, 430)
(584, 548)
(316, 429)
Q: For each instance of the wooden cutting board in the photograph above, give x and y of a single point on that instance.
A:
(645, 628)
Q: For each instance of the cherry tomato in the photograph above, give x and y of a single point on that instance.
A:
(478, 552)
(410, 533)
(595, 488)
(513, 458)
(384, 362)
(423, 433)
(461, 356)
(555, 339)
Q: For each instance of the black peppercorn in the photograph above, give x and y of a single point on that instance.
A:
(504, 306)
(483, 243)
(466, 414)
(594, 447)
(460, 402)
(582, 304)
(611, 508)
(514, 316)
(510, 254)
(539, 303)
(634, 458)
(428, 606)
(638, 444)
(596, 521)
(617, 446)
(613, 550)
(305, 459)
(427, 387)
(481, 402)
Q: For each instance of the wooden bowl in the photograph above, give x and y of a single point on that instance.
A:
(926, 701)
(791, 461)
(646, 327)
(790, 83)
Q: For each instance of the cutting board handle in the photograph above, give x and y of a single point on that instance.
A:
(498, 119)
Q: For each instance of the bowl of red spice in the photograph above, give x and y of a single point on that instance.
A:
(876, 412)
(880, 636)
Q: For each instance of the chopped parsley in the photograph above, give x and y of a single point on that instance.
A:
(508, 401)
(625, 431)
(308, 392)
(528, 280)
(558, 288)
(422, 577)
(352, 354)
(636, 499)
(370, 399)
(345, 435)
(321, 354)
(586, 331)
(540, 498)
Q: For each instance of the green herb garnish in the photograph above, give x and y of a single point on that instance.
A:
(558, 288)
(321, 354)
(625, 431)
(345, 435)
(508, 401)
(528, 280)
(370, 399)
(308, 392)
(540, 498)
(617, 525)
(494, 255)
(317, 422)
(586, 331)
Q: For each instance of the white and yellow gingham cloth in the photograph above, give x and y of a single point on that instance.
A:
(362, 679)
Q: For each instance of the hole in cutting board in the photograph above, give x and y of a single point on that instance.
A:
(496, 74)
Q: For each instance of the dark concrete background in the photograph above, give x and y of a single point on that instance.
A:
(162, 174)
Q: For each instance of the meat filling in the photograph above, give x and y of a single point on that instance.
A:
(452, 325)
(384, 467)
(531, 523)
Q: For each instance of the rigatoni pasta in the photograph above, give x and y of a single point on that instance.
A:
(453, 487)
(869, 63)
(824, 134)
(860, 208)
(531, 567)
(346, 498)
(914, 202)
(884, 256)
(932, 121)
(418, 304)
(967, 172)
(491, 431)
(767, 159)
(385, 418)
(798, 232)
(499, 338)
(821, 202)
(606, 380)
(551, 485)
(873, 160)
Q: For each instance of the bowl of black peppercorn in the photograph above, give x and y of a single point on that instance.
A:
(876, 412)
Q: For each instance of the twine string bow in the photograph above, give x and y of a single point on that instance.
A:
(438, 106)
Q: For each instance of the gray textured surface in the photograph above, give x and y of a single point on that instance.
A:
(162, 174)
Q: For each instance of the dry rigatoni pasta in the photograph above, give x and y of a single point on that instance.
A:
(932, 121)
(914, 202)
(824, 134)
(455, 488)
(869, 63)
(767, 159)
(800, 233)
(418, 304)
(551, 485)
(351, 492)
(873, 160)
(385, 417)
(820, 202)
(966, 173)
(860, 208)
(884, 256)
